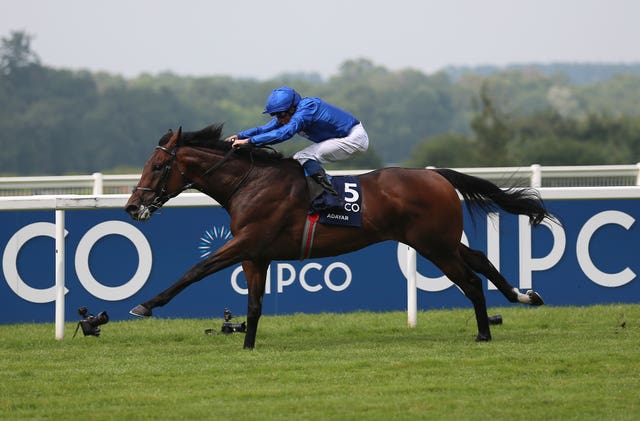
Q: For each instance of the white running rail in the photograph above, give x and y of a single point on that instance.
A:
(533, 176)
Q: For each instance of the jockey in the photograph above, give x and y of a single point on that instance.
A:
(336, 135)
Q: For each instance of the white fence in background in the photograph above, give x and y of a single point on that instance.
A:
(534, 176)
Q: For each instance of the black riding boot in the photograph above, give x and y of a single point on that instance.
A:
(321, 178)
(329, 200)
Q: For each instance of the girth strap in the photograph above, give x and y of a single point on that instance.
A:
(307, 235)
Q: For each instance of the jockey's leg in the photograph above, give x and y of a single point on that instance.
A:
(331, 199)
(313, 156)
(313, 169)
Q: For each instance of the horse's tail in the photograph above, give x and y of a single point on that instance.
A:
(489, 197)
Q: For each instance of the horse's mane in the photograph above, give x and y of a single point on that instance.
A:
(211, 137)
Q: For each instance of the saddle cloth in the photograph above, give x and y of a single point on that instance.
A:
(348, 188)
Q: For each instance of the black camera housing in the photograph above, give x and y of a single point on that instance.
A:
(90, 323)
(228, 327)
(495, 320)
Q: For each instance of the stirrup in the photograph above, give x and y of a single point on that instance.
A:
(322, 179)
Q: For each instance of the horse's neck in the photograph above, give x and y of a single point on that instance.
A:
(215, 178)
(237, 176)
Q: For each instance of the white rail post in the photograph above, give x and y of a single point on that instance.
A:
(638, 174)
(98, 183)
(536, 176)
(412, 291)
(60, 281)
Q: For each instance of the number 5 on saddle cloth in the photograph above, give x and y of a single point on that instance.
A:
(348, 188)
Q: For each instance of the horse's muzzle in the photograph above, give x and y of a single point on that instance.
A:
(138, 213)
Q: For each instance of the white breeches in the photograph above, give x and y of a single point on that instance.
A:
(336, 149)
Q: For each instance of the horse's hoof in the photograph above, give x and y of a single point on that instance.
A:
(535, 298)
(249, 342)
(140, 311)
(483, 338)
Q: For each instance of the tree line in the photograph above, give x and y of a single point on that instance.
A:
(58, 121)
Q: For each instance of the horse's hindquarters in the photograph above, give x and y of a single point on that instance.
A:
(413, 206)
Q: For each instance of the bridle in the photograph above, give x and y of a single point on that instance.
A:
(162, 197)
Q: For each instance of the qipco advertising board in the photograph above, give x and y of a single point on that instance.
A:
(113, 263)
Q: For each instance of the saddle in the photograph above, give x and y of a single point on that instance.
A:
(348, 188)
(349, 191)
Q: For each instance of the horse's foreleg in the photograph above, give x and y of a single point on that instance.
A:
(256, 273)
(225, 256)
(479, 262)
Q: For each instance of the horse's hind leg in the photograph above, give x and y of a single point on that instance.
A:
(256, 274)
(471, 285)
(479, 262)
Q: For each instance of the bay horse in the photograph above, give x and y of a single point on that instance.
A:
(268, 199)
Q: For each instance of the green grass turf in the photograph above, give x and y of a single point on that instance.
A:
(543, 363)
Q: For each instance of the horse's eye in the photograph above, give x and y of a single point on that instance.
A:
(156, 167)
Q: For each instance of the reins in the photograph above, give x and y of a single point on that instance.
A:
(162, 197)
(222, 161)
(246, 175)
(243, 179)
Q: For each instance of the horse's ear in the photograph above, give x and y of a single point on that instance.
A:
(166, 137)
(179, 136)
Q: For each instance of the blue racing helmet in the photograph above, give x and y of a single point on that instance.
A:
(281, 99)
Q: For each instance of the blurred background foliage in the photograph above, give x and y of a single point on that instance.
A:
(57, 121)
